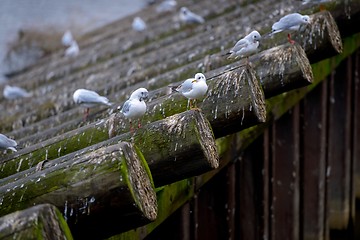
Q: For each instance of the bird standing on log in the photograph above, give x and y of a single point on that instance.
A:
(192, 88)
(246, 46)
(7, 143)
(290, 23)
(13, 92)
(73, 50)
(135, 107)
(88, 99)
(188, 17)
(138, 24)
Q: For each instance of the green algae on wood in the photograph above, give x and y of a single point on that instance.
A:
(90, 188)
(43, 221)
(237, 142)
(166, 145)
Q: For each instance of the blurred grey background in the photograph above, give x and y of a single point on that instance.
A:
(78, 15)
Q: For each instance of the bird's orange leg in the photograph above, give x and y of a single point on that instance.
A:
(290, 40)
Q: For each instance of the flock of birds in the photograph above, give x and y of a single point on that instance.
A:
(193, 88)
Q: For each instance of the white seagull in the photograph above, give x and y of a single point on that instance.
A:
(88, 99)
(67, 39)
(135, 107)
(7, 143)
(73, 50)
(289, 23)
(246, 46)
(189, 17)
(13, 92)
(138, 24)
(193, 88)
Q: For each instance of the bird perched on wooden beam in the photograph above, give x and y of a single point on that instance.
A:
(188, 17)
(192, 88)
(246, 46)
(7, 143)
(88, 99)
(13, 92)
(290, 23)
(135, 107)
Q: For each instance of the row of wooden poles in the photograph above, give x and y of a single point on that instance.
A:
(97, 171)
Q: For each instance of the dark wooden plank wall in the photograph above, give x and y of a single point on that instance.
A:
(299, 180)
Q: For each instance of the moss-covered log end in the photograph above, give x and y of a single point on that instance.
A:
(43, 221)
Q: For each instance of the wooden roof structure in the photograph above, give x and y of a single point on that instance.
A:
(109, 182)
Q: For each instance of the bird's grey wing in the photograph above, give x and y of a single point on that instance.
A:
(89, 97)
(186, 86)
(7, 142)
(194, 18)
(239, 45)
(286, 22)
(22, 92)
(126, 107)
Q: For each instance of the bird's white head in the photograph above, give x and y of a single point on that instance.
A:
(141, 94)
(255, 36)
(200, 77)
(184, 10)
(305, 19)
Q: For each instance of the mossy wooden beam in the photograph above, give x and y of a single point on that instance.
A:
(282, 68)
(166, 145)
(235, 100)
(276, 107)
(346, 13)
(43, 221)
(321, 39)
(98, 192)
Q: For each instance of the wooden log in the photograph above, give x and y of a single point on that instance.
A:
(321, 39)
(99, 191)
(166, 144)
(43, 221)
(277, 106)
(234, 102)
(282, 68)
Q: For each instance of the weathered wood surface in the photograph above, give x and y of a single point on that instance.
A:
(346, 14)
(349, 16)
(320, 39)
(339, 156)
(356, 137)
(60, 96)
(282, 68)
(91, 190)
(285, 184)
(289, 69)
(43, 221)
(174, 195)
(313, 176)
(166, 144)
(279, 69)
